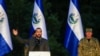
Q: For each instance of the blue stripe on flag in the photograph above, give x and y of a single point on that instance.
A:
(71, 41)
(74, 31)
(4, 48)
(2, 2)
(31, 31)
(75, 2)
(40, 5)
(5, 40)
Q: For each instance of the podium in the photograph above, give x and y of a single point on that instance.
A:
(39, 53)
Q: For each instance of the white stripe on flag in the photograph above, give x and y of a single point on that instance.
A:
(4, 27)
(41, 22)
(76, 27)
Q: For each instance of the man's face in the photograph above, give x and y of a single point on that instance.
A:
(88, 35)
(38, 33)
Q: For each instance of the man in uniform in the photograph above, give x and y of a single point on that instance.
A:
(88, 46)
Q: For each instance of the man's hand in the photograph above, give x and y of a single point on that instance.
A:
(15, 32)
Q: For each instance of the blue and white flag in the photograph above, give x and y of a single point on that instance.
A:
(74, 31)
(5, 38)
(38, 20)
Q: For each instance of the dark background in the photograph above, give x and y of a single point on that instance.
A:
(55, 11)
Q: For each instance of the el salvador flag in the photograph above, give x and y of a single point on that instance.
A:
(74, 31)
(5, 38)
(38, 20)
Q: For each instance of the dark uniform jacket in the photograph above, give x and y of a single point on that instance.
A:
(35, 44)
(38, 45)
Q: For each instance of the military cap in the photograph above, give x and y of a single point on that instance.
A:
(88, 29)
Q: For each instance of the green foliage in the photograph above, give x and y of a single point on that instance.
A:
(20, 13)
(53, 27)
(53, 34)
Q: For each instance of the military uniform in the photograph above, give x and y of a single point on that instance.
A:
(88, 47)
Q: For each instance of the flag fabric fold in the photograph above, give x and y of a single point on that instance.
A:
(74, 31)
(5, 38)
(38, 20)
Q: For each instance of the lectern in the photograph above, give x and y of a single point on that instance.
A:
(39, 53)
